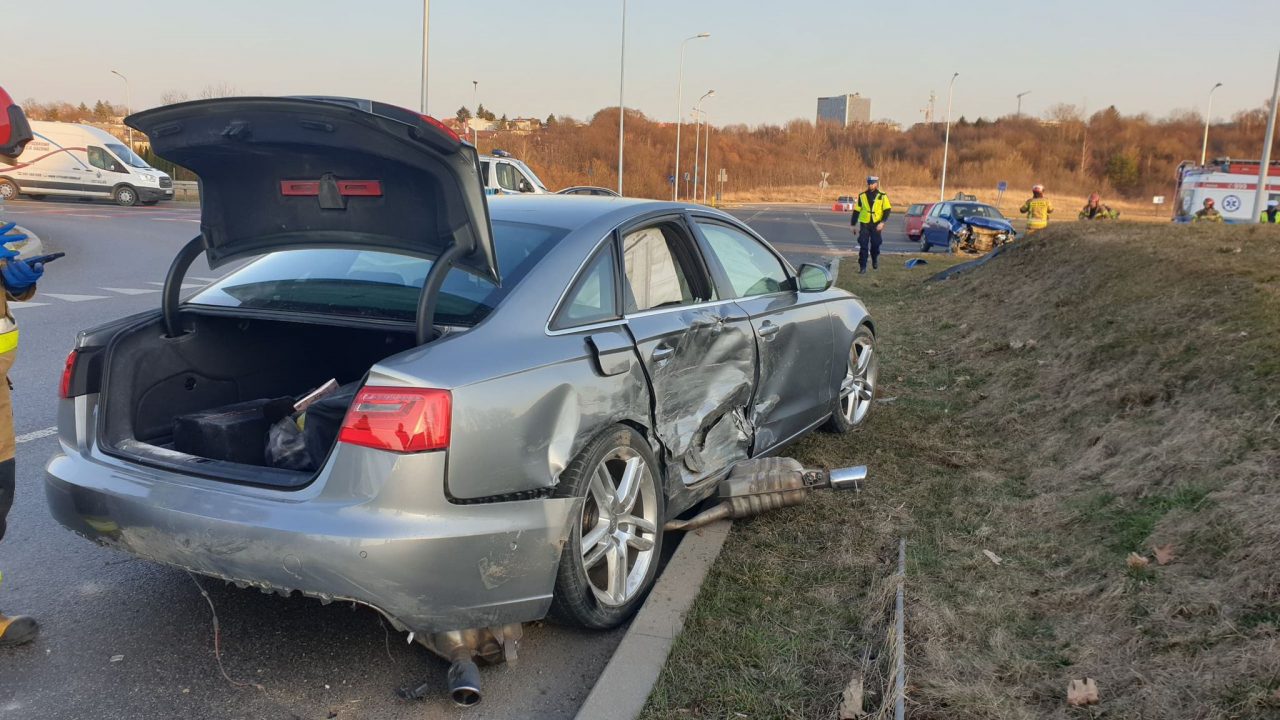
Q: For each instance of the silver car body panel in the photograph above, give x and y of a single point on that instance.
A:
(471, 536)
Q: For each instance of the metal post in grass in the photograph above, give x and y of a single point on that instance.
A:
(1260, 197)
(900, 684)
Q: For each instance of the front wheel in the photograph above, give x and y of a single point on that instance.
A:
(125, 196)
(858, 388)
(924, 244)
(8, 190)
(611, 560)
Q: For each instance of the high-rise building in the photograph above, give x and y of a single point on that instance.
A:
(844, 109)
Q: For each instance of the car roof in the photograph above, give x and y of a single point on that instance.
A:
(571, 212)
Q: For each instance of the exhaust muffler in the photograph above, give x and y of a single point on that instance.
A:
(755, 486)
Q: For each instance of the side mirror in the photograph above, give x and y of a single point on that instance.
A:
(814, 278)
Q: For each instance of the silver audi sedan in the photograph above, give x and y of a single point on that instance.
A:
(515, 393)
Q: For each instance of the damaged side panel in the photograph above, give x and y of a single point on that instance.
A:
(701, 364)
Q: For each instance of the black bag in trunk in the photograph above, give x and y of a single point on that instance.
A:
(234, 433)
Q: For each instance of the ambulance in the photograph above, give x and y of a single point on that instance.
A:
(74, 160)
(1232, 184)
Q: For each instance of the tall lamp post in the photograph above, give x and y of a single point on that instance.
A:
(426, 17)
(706, 155)
(128, 102)
(946, 143)
(1208, 114)
(475, 94)
(675, 187)
(1264, 171)
(697, 136)
(1026, 92)
(622, 75)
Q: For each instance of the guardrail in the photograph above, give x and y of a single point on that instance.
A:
(186, 190)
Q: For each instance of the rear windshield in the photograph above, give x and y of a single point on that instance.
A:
(917, 209)
(373, 284)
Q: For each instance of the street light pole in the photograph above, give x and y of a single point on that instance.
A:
(1260, 197)
(696, 138)
(475, 107)
(622, 75)
(706, 155)
(1208, 114)
(946, 143)
(675, 186)
(128, 102)
(426, 17)
(1028, 92)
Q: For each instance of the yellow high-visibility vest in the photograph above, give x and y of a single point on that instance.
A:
(872, 211)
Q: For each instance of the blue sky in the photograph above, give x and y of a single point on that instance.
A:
(767, 61)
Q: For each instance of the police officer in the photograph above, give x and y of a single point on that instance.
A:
(871, 210)
(1037, 209)
(1271, 216)
(1208, 213)
(19, 280)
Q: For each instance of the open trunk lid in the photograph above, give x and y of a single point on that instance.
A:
(289, 173)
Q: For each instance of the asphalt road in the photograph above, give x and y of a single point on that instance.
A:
(126, 638)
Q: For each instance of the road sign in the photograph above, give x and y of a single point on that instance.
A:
(1157, 200)
(686, 177)
(1002, 186)
(671, 179)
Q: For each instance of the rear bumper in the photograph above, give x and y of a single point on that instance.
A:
(374, 528)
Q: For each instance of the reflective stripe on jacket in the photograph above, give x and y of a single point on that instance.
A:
(868, 210)
(1037, 210)
(1270, 217)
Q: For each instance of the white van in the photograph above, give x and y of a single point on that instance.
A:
(81, 161)
(505, 175)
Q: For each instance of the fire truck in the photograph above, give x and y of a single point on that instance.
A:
(1231, 183)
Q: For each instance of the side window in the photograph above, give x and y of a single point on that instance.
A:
(933, 211)
(944, 212)
(915, 210)
(593, 298)
(657, 273)
(508, 177)
(484, 171)
(751, 268)
(103, 161)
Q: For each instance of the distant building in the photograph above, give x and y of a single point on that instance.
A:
(844, 110)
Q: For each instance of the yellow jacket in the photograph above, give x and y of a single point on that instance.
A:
(1037, 210)
(871, 209)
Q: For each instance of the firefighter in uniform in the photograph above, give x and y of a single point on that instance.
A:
(1037, 209)
(1208, 213)
(19, 280)
(1271, 216)
(1095, 210)
(870, 211)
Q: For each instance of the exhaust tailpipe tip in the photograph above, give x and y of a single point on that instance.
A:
(464, 683)
(850, 478)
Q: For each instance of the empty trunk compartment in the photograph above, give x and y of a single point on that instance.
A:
(208, 388)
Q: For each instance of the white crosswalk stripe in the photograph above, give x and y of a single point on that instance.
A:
(73, 298)
(185, 286)
(20, 305)
(36, 435)
(130, 291)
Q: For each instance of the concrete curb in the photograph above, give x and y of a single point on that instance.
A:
(625, 684)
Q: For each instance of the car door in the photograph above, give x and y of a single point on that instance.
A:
(697, 349)
(792, 331)
(936, 228)
(104, 171)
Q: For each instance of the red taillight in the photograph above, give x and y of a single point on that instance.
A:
(402, 420)
(441, 127)
(68, 371)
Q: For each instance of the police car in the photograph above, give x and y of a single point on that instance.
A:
(505, 175)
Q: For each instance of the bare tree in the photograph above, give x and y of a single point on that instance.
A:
(218, 90)
(171, 97)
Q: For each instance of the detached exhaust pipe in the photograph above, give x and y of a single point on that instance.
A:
(755, 486)
(464, 683)
(461, 647)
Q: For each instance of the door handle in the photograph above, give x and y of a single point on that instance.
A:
(662, 352)
(768, 329)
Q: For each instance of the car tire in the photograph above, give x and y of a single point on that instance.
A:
(624, 534)
(125, 196)
(954, 247)
(857, 391)
(924, 245)
(8, 189)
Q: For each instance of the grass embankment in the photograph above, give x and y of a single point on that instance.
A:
(1065, 207)
(1098, 391)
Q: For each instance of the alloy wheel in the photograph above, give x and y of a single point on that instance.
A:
(619, 526)
(858, 389)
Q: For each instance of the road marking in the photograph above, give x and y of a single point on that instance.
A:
(203, 279)
(821, 233)
(90, 215)
(74, 298)
(131, 291)
(176, 220)
(20, 305)
(36, 435)
(185, 286)
(753, 217)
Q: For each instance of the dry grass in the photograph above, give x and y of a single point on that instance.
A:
(1146, 412)
(1065, 206)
